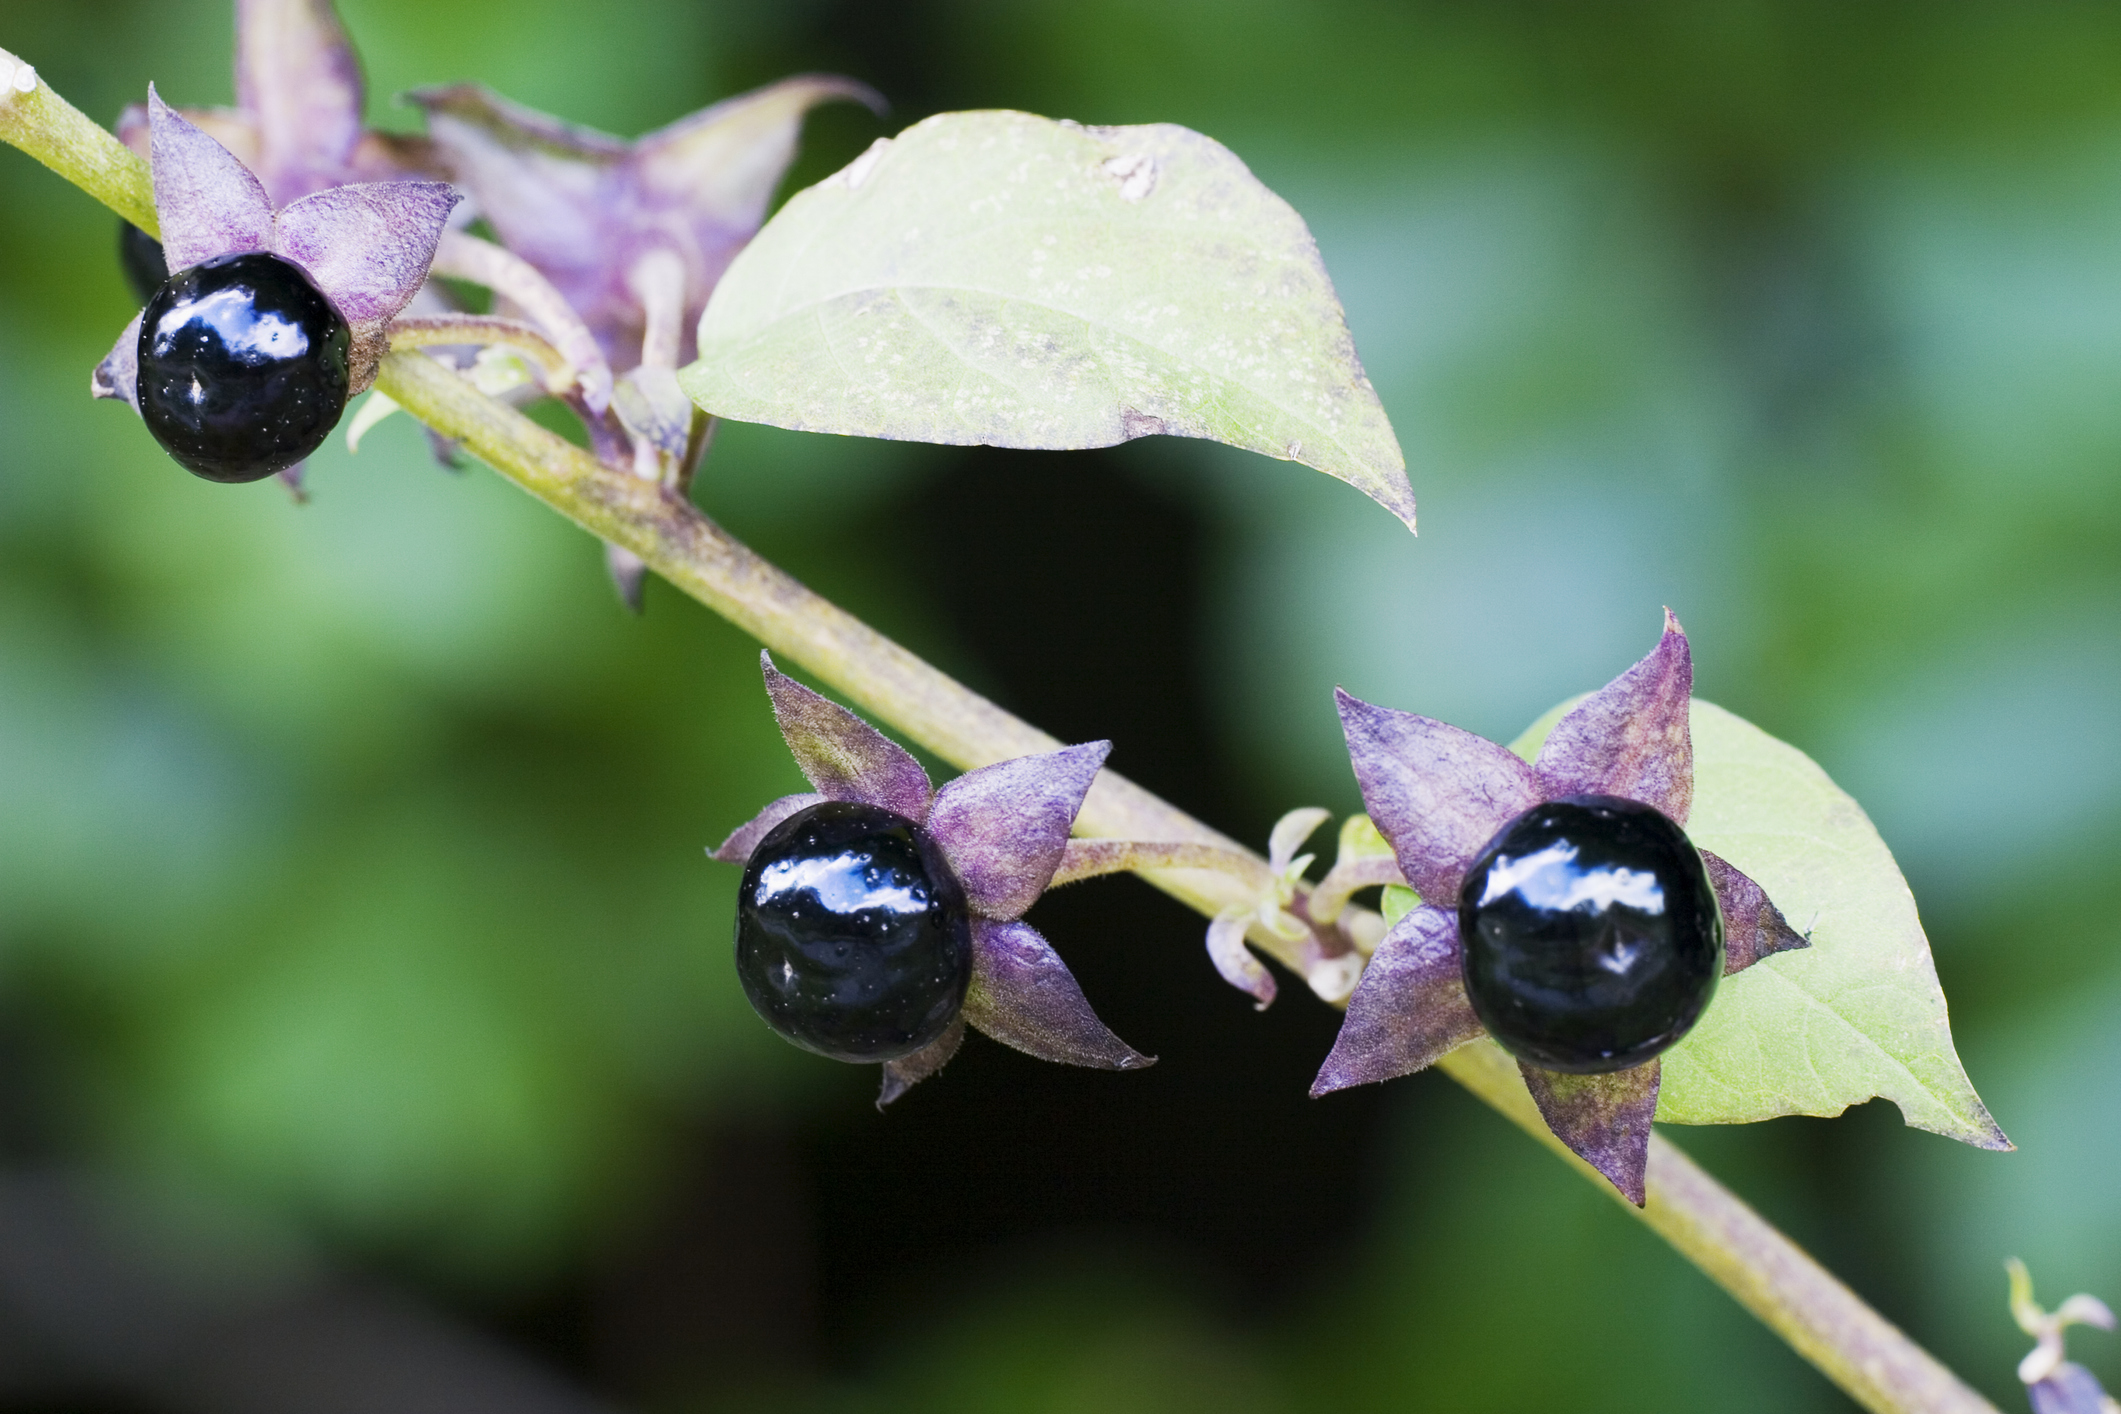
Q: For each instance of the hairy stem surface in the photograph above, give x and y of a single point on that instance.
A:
(1768, 1274)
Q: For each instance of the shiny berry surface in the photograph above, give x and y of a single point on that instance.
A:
(140, 256)
(242, 367)
(1592, 936)
(852, 938)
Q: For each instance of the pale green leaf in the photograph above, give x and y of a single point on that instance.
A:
(1006, 279)
(1857, 1014)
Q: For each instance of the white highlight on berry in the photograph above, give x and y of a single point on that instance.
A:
(842, 883)
(1548, 879)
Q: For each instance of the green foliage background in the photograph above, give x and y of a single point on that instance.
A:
(349, 857)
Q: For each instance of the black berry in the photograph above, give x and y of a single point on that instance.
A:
(852, 938)
(1592, 936)
(140, 254)
(242, 367)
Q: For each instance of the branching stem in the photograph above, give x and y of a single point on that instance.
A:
(1768, 1274)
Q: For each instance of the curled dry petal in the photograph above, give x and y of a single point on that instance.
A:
(629, 575)
(1437, 793)
(1330, 898)
(1753, 928)
(1004, 826)
(906, 1072)
(118, 376)
(509, 276)
(1290, 832)
(1604, 1119)
(657, 415)
(1234, 961)
(2071, 1389)
(367, 246)
(1630, 738)
(745, 838)
(1409, 1010)
(843, 756)
(209, 204)
(1024, 996)
(298, 79)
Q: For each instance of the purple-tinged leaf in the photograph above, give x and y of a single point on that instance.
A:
(2071, 1389)
(1024, 996)
(209, 204)
(1234, 961)
(1630, 737)
(300, 82)
(1437, 793)
(1410, 1008)
(367, 246)
(906, 1072)
(745, 838)
(1753, 928)
(842, 755)
(118, 376)
(1004, 826)
(1605, 1119)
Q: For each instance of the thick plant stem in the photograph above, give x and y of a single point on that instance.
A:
(56, 133)
(1768, 1274)
(1771, 1276)
(703, 560)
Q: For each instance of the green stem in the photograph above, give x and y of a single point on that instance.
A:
(1768, 1274)
(61, 136)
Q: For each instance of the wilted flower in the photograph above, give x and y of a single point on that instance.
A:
(1441, 797)
(588, 209)
(999, 832)
(2053, 1384)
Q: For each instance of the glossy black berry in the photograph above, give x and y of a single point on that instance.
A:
(852, 938)
(1592, 936)
(140, 255)
(242, 367)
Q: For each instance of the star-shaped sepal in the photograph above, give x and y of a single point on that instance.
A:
(587, 209)
(366, 247)
(1438, 795)
(297, 122)
(1003, 830)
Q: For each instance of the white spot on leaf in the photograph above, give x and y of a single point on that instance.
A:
(1135, 172)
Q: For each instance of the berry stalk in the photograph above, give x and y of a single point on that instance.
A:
(1825, 1322)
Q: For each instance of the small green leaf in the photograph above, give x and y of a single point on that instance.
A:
(1359, 840)
(1006, 279)
(1857, 1014)
(1398, 902)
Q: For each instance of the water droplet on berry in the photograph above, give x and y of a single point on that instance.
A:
(852, 937)
(242, 367)
(1592, 935)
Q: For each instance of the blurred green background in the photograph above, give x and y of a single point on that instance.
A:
(364, 994)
